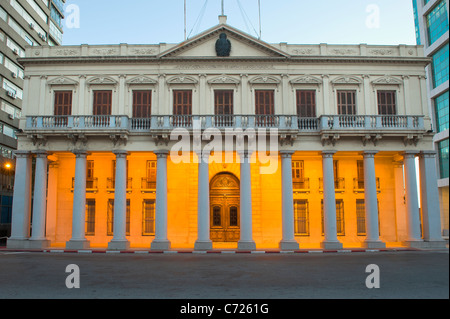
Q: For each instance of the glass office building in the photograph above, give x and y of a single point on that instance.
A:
(431, 25)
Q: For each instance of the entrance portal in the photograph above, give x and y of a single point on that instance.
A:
(224, 201)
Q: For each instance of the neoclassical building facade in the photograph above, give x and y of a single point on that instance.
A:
(243, 145)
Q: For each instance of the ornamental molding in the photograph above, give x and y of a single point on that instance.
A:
(306, 80)
(62, 80)
(387, 80)
(347, 80)
(102, 80)
(182, 79)
(141, 79)
(265, 79)
(224, 79)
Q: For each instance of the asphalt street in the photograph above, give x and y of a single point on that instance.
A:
(405, 275)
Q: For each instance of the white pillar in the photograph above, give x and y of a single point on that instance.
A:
(246, 241)
(119, 240)
(21, 209)
(288, 241)
(38, 239)
(432, 232)
(78, 240)
(412, 201)
(329, 203)
(370, 202)
(160, 242)
(203, 215)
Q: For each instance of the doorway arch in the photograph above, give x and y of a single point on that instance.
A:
(225, 208)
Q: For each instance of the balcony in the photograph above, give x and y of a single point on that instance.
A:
(91, 185)
(148, 185)
(339, 185)
(368, 127)
(111, 185)
(358, 185)
(301, 186)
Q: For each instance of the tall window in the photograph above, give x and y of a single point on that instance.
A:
(306, 103)
(264, 101)
(182, 106)
(360, 218)
(90, 181)
(301, 217)
(90, 217)
(340, 226)
(440, 66)
(386, 103)
(102, 106)
(63, 103)
(441, 107)
(148, 217)
(346, 102)
(223, 106)
(298, 174)
(110, 218)
(443, 148)
(437, 22)
(102, 102)
(360, 173)
(142, 104)
(149, 182)
(264, 105)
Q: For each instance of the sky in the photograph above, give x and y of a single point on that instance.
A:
(387, 22)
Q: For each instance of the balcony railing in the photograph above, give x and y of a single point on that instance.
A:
(339, 184)
(324, 123)
(148, 185)
(301, 186)
(91, 185)
(111, 184)
(358, 185)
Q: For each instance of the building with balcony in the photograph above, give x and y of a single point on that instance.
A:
(247, 145)
(22, 23)
(431, 19)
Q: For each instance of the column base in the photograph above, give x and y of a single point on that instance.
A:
(435, 244)
(160, 245)
(118, 245)
(373, 244)
(203, 245)
(16, 243)
(331, 245)
(78, 244)
(38, 243)
(246, 245)
(289, 245)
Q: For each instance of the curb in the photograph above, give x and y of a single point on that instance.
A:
(174, 252)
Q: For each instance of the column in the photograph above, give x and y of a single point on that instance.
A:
(246, 241)
(288, 241)
(412, 201)
(203, 218)
(160, 242)
(119, 240)
(38, 239)
(329, 203)
(21, 209)
(432, 232)
(400, 200)
(370, 202)
(78, 240)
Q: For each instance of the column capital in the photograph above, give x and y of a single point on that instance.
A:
(287, 153)
(328, 153)
(80, 153)
(40, 153)
(22, 154)
(409, 154)
(369, 153)
(428, 154)
(161, 153)
(120, 153)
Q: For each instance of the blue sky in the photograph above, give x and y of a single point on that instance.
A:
(292, 21)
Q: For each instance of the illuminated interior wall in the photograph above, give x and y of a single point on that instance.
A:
(182, 200)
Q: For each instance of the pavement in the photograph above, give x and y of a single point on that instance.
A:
(404, 274)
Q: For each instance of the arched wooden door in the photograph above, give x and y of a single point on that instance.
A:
(224, 201)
